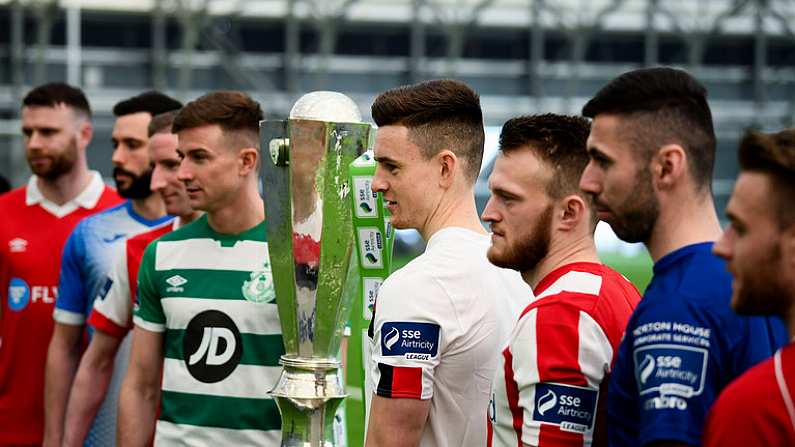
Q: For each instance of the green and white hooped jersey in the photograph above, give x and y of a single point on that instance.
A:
(212, 296)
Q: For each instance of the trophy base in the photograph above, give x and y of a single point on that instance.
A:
(308, 393)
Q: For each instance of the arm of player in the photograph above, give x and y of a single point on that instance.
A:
(396, 422)
(63, 356)
(554, 387)
(89, 388)
(140, 391)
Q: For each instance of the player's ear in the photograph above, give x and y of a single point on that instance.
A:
(248, 161)
(447, 164)
(572, 210)
(668, 166)
(84, 134)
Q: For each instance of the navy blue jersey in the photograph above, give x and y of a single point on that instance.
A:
(682, 346)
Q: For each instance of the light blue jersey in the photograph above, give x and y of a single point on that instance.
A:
(89, 254)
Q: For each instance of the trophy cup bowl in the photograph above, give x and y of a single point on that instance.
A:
(310, 239)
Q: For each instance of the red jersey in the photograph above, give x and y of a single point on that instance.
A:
(756, 409)
(552, 386)
(33, 231)
(112, 311)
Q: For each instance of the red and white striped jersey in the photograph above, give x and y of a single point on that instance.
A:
(112, 311)
(552, 385)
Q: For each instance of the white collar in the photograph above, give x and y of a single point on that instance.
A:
(87, 198)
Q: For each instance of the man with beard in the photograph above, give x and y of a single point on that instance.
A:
(759, 247)
(90, 252)
(440, 320)
(563, 344)
(36, 220)
(111, 317)
(652, 150)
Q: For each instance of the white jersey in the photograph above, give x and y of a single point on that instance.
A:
(438, 328)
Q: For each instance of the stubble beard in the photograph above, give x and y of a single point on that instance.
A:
(60, 164)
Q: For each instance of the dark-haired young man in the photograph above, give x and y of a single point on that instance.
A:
(652, 149)
(88, 255)
(759, 246)
(440, 320)
(111, 317)
(37, 219)
(564, 342)
(206, 314)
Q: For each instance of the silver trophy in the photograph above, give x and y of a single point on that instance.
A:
(310, 238)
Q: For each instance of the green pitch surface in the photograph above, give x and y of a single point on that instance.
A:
(636, 268)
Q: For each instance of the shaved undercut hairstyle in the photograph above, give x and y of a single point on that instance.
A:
(662, 106)
(773, 155)
(55, 93)
(440, 114)
(151, 102)
(235, 113)
(162, 123)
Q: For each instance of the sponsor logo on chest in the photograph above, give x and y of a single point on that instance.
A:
(20, 294)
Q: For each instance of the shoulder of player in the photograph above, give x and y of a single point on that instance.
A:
(414, 276)
(14, 198)
(744, 392)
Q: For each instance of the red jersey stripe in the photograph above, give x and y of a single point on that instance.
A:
(407, 382)
(105, 324)
(512, 390)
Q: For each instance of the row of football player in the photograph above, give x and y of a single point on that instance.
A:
(643, 165)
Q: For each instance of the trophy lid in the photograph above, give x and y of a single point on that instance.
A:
(326, 106)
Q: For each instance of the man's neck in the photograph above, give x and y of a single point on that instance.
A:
(683, 222)
(568, 251)
(188, 218)
(150, 208)
(244, 213)
(66, 187)
(458, 211)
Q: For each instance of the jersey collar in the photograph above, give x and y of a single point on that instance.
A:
(87, 198)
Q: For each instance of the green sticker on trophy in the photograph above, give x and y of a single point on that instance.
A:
(374, 241)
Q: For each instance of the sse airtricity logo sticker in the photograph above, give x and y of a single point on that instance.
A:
(572, 408)
(211, 346)
(412, 341)
(18, 294)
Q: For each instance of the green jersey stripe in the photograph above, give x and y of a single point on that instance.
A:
(220, 284)
(205, 254)
(223, 412)
(247, 381)
(262, 350)
(251, 318)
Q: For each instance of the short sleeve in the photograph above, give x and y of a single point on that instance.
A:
(558, 358)
(679, 368)
(411, 325)
(112, 311)
(148, 310)
(70, 304)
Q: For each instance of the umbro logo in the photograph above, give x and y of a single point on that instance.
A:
(176, 282)
(17, 245)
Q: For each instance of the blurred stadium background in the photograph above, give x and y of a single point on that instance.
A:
(523, 56)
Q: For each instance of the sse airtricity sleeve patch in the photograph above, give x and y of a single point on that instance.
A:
(408, 339)
(572, 408)
(412, 341)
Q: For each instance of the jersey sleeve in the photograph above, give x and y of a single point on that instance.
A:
(71, 300)
(556, 362)
(680, 362)
(411, 327)
(148, 310)
(112, 311)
